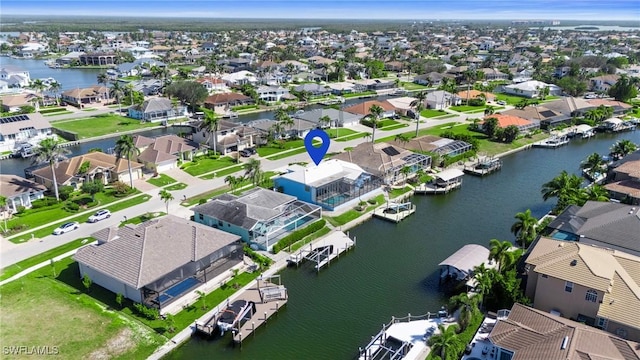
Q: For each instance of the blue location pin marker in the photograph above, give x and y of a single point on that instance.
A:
(316, 153)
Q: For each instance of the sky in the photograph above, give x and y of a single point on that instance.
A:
(336, 9)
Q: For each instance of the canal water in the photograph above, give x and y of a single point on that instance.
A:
(394, 268)
(67, 78)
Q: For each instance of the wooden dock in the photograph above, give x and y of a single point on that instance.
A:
(435, 189)
(323, 251)
(268, 296)
(394, 212)
(483, 167)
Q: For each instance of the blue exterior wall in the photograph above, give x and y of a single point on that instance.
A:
(226, 227)
(294, 188)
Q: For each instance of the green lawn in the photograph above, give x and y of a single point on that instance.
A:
(40, 310)
(352, 137)
(161, 180)
(274, 148)
(89, 109)
(413, 86)
(467, 108)
(510, 99)
(223, 172)
(430, 113)
(351, 215)
(309, 238)
(142, 218)
(64, 112)
(333, 133)
(393, 127)
(175, 187)
(11, 270)
(101, 125)
(352, 95)
(203, 165)
(287, 154)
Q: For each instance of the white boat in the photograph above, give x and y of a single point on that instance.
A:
(26, 150)
(232, 316)
(552, 142)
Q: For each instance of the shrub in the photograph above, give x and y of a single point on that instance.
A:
(476, 102)
(298, 235)
(65, 192)
(72, 206)
(260, 259)
(44, 202)
(20, 209)
(149, 313)
(202, 201)
(120, 189)
(372, 201)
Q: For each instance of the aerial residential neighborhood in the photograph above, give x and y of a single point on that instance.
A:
(165, 193)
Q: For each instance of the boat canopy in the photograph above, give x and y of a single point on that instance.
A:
(468, 257)
(450, 174)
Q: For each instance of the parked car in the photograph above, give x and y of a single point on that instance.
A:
(65, 228)
(99, 215)
(248, 152)
(501, 102)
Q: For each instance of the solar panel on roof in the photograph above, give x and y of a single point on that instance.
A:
(391, 151)
(14, 118)
(547, 113)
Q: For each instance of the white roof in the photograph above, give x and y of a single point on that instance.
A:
(531, 85)
(468, 257)
(341, 86)
(614, 121)
(583, 128)
(449, 174)
(324, 172)
(402, 102)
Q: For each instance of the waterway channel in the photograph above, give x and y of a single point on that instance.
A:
(393, 269)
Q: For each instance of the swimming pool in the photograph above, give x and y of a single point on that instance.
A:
(335, 199)
(178, 289)
(562, 235)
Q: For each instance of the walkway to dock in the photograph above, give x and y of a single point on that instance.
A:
(394, 212)
(269, 299)
(430, 188)
(484, 165)
(323, 251)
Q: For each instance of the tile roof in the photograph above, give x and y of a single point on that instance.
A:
(224, 98)
(67, 169)
(475, 93)
(535, 335)
(629, 187)
(373, 159)
(613, 272)
(137, 254)
(507, 120)
(364, 107)
(12, 185)
(37, 121)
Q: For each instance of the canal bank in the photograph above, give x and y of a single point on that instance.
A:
(394, 268)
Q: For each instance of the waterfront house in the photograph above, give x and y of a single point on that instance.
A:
(17, 129)
(435, 144)
(260, 217)
(163, 152)
(104, 167)
(223, 102)
(15, 76)
(624, 179)
(313, 89)
(531, 89)
(402, 104)
(299, 129)
(605, 224)
(90, 95)
(338, 118)
(157, 109)
(492, 74)
(603, 83)
(385, 161)
(523, 125)
(13, 103)
(98, 59)
(240, 78)
(586, 283)
(19, 191)
(363, 108)
(272, 93)
(232, 136)
(213, 84)
(132, 260)
(619, 107)
(472, 94)
(440, 100)
(433, 79)
(524, 333)
(331, 184)
(341, 88)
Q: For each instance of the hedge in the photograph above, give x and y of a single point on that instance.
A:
(52, 110)
(298, 235)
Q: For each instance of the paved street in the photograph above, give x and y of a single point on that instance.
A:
(11, 253)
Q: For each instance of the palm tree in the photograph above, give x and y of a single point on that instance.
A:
(594, 164)
(54, 87)
(3, 209)
(375, 113)
(166, 196)
(468, 305)
(118, 93)
(500, 252)
(325, 121)
(210, 125)
(623, 148)
(126, 149)
(448, 85)
(445, 340)
(489, 110)
(49, 151)
(253, 171)
(525, 227)
(565, 187)
(405, 171)
(418, 106)
(596, 192)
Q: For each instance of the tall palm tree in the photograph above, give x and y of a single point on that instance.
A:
(253, 171)
(500, 252)
(54, 87)
(118, 92)
(445, 340)
(125, 148)
(210, 124)
(418, 106)
(166, 196)
(623, 148)
(596, 192)
(468, 305)
(325, 121)
(49, 151)
(525, 227)
(565, 187)
(594, 164)
(374, 116)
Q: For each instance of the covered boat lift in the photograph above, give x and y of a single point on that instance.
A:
(460, 265)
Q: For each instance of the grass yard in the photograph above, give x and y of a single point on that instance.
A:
(430, 113)
(510, 99)
(222, 173)
(309, 238)
(274, 148)
(352, 214)
(352, 95)
(413, 86)
(161, 180)
(352, 137)
(203, 165)
(89, 109)
(63, 112)
(335, 132)
(287, 154)
(467, 108)
(142, 218)
(39, 310)
(175, 187)
(101, 125)
(393, 127)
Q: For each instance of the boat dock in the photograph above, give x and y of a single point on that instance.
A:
(552, 142)
(483, 166)
(444, 182)
(394, 212)
(404, 338)
(430, 188)
(269, 296)
(323, 251)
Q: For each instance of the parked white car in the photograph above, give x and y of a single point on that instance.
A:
(99, 215)
(65, 228)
